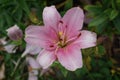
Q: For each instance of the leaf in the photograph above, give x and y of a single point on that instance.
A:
(18, 14)
(116, 23)
(80, 72)
(101, 63)
(94, 9)
(98, 20)
(106, 3)
(9, 19)
(71, 76)
(101, 50)
(21, 25)
(97, 75)
(105, 71)
(87, 62)
(69, 4)
(118, 1)
(1, 22)
(65, 72)
(116, 77)
(17, 43)
(113, 14)
(3, 1)
(100, 28)
(24, 6)
(62, 69)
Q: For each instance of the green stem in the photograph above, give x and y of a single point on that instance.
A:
(18, 62)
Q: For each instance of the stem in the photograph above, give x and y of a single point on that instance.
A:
(18, 62)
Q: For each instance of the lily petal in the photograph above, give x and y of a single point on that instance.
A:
(33, 62)
(32, 77)
(46, 58)
(33, 68)
(40, 36)
(51, 16)
(74, 18)
(10, 48)
(35, 36)
(70, 57)
(87, 39)
(31, 49)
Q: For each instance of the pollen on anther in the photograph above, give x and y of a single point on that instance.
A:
(60, 33)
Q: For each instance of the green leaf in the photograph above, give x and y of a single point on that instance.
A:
(7, 57)
(105, 71)
(116, 23)
(106, 3)
(80, 72)
(98, 20)
(21, 25)
(113, 14)
(118, 4)
(1, 22)
(100, 28)
(97, 75)
(65, 72)
(18, 14)
(3, 1)
(101, 50)
(18, 42)
(118, 1)
(71, 76)
(24, 6)
(9, 19)
(113, 3)
(68, 4)
(94, 9)
(107, 11)
(101, 63)
(116, 77)
(62, 69)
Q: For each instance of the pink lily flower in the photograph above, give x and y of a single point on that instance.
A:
(61, 38)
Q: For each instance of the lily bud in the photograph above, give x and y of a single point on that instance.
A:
(14, 33)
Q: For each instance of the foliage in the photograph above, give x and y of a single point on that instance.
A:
(106, 16)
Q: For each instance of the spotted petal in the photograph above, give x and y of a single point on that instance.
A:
(87, 39)
(40, 36)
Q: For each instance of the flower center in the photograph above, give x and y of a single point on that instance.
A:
(62, 39)
(64, 42)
